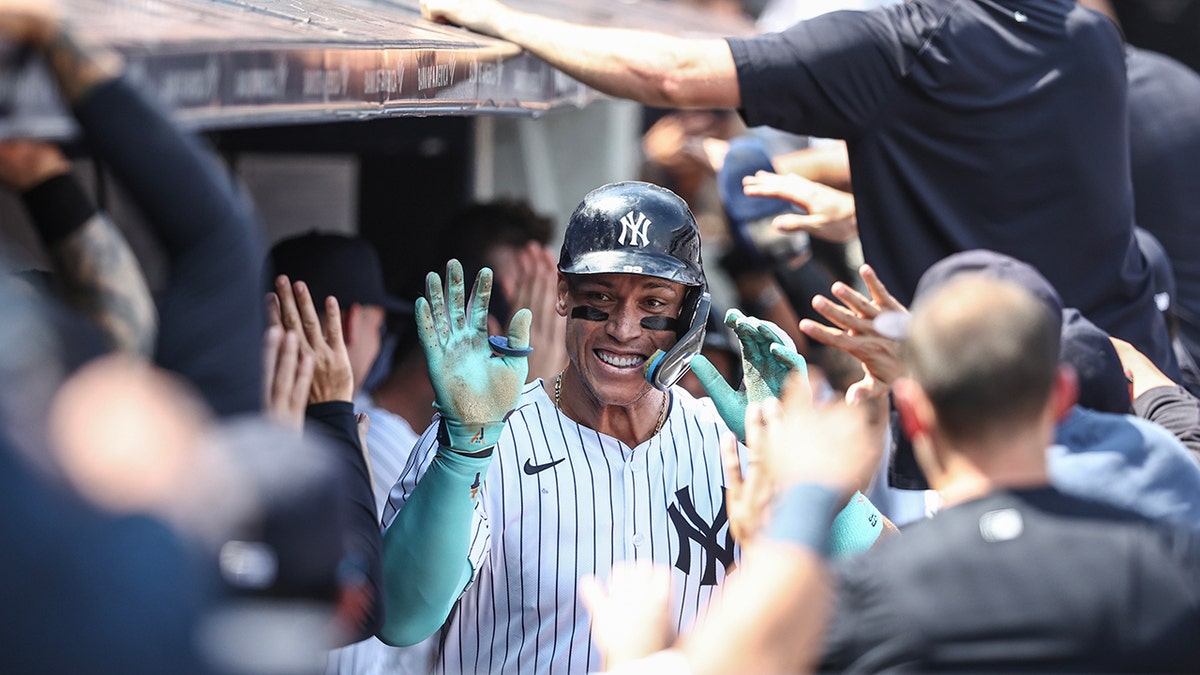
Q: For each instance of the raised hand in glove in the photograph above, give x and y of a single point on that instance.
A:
(768, 358)
(474, 386)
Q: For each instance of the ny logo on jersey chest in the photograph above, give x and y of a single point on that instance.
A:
(691, 527)
(635, 226)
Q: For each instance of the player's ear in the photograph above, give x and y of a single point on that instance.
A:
(563, 291)
(912, 407)
(1065, 392)
(351, 322)
(919, 422)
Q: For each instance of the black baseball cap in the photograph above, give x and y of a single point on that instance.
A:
(985, 262)
(747, 156)
(345, 267)
(1161, 271)
(1087, 349)
(993, 265)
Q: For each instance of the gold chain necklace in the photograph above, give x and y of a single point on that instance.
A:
(662, 414)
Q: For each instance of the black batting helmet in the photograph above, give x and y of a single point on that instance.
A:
(633, 228)
(639, 228)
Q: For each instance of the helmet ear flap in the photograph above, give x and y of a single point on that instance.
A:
(664, 369)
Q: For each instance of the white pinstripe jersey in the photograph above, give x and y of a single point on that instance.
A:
(561, 501)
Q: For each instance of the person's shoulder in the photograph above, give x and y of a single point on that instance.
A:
(1053, 504)
(1094, 431)
(700, 410)
(1148, 67)
(1081, 23)
(533, 403)
(533, 394)
(1003, 515)
(1124, 442)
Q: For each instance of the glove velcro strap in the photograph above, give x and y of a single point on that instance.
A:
(469, 437)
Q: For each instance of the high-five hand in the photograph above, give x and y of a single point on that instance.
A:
(768, 359)
(474, 387)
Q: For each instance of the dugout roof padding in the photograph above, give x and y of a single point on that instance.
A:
(232, 63)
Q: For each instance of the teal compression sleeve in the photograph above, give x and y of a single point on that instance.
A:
(856, 527)
(425, 548)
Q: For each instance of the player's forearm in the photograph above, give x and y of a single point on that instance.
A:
(102, 278)
(829, 165)
(1173, 408)
(210, 314)
(361, 568)
(98, 272)
(648, 67)
(78, 68)
(856, 527)
(425, 548)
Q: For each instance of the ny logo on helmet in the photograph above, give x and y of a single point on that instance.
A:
(635, 227)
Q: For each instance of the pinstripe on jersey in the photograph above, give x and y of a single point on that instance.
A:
(536, 532)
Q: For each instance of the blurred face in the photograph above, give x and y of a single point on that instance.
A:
(363, 339)
(503, 261)
(610, 354)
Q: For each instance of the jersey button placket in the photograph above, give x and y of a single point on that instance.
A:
(631, 467)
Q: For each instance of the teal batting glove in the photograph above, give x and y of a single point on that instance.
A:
(768, 358)
(475, 388)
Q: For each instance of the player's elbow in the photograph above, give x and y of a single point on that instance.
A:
(671, 91)
(692, 74)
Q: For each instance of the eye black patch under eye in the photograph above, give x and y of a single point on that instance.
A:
(660, 323)
(588, 313)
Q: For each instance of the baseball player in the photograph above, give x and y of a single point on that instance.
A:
(517, 491)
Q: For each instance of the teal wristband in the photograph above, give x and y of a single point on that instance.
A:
(856, 527)
(469, 438)
(801, 515)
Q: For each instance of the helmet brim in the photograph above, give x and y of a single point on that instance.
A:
(626, 262)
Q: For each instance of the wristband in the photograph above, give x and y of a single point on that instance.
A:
(856, 527)
(58, 207)
(801, 515)
(475, 439)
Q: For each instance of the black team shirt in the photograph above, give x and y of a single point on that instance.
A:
(997, 124)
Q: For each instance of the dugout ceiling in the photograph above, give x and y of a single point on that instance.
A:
(234, 63)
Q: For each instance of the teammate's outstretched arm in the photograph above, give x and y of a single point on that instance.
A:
(648, 67)
(476, 385)
(768, 361)
(97, 272)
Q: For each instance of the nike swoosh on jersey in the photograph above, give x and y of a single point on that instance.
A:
(530, 468)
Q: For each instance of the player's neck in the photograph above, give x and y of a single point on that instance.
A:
(970, 472)
(632, 424)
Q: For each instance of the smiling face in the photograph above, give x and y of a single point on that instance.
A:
(609, 355)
